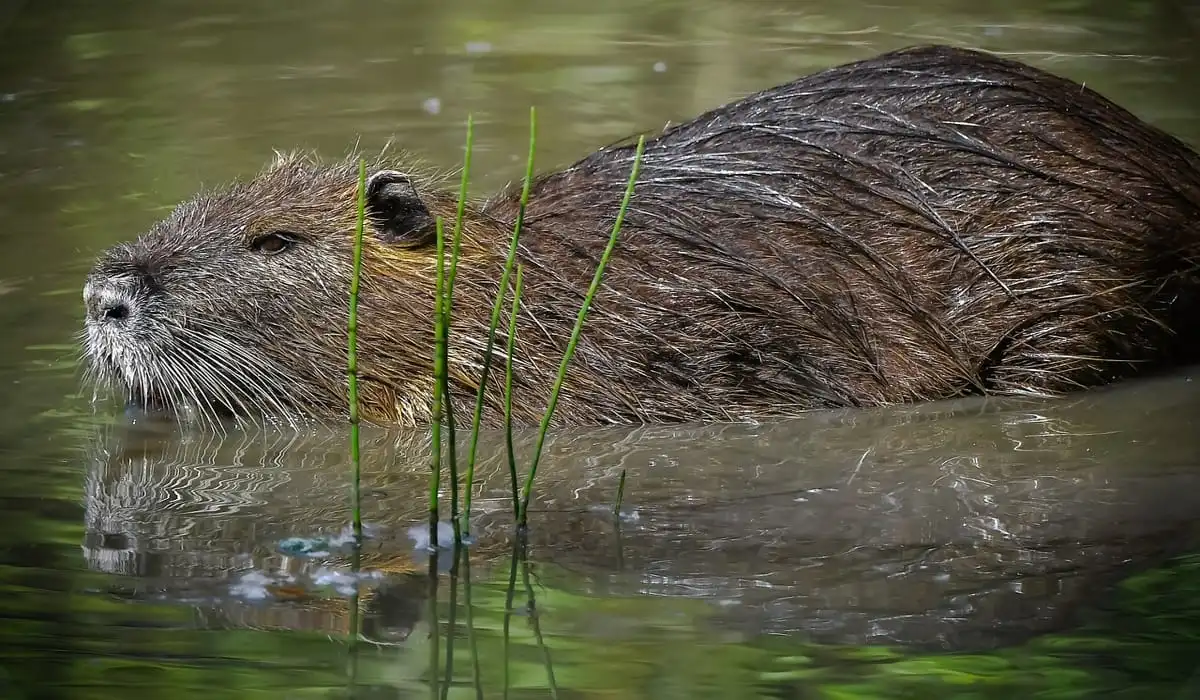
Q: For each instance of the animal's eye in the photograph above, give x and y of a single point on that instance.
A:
(272, 243)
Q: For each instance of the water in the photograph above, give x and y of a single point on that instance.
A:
(977, 549)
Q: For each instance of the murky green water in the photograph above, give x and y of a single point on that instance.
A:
(971, 550)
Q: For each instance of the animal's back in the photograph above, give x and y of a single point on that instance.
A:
(927, 223)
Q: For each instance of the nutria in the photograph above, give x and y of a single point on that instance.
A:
(928, 223)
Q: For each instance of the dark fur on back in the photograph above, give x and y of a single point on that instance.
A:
(924, 224)
(927, 223)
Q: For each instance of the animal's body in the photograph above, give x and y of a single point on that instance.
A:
(924, 224)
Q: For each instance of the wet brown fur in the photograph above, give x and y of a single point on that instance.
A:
(925, 224)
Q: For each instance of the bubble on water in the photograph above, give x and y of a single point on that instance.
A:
(325, 576)
(345, 538)
(250, 593)
(432, 105)
(252, 586)
(257, 586)
(315, 547)
(477, 47)
(256, 577)
(629, 515)
(302, 547)
(660, 67)
(419, 534)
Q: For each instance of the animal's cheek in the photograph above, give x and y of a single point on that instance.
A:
(198, 302)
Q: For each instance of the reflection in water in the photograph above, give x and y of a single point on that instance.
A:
(949, 526)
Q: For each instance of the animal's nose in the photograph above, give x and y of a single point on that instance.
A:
(108, 303)
(118, 287)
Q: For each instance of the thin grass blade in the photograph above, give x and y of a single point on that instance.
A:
(439, 374)
(448, 313)
(508, 388)
(352, 357)
(575, 332)
(620, 495)
(495, 320)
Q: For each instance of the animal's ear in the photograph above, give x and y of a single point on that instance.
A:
(400, 215)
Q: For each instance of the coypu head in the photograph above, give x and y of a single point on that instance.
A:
(236, 304)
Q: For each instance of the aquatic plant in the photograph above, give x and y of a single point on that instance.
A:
(491, 338)
(522, 516)
(442, 400)
(352, 354)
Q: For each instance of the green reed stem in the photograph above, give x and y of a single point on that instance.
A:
(510, 595)
(462, 205)
(439, 381)
(434, 632)
(522, 519)
(472, 642)
(448, 311)
(352, 356)
(451, 624)
(620, 495)
(536, 623)
(355, 618)
(435, 475)
(508, 387)
(495, 320)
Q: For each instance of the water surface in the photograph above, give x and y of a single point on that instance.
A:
(970, 549)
